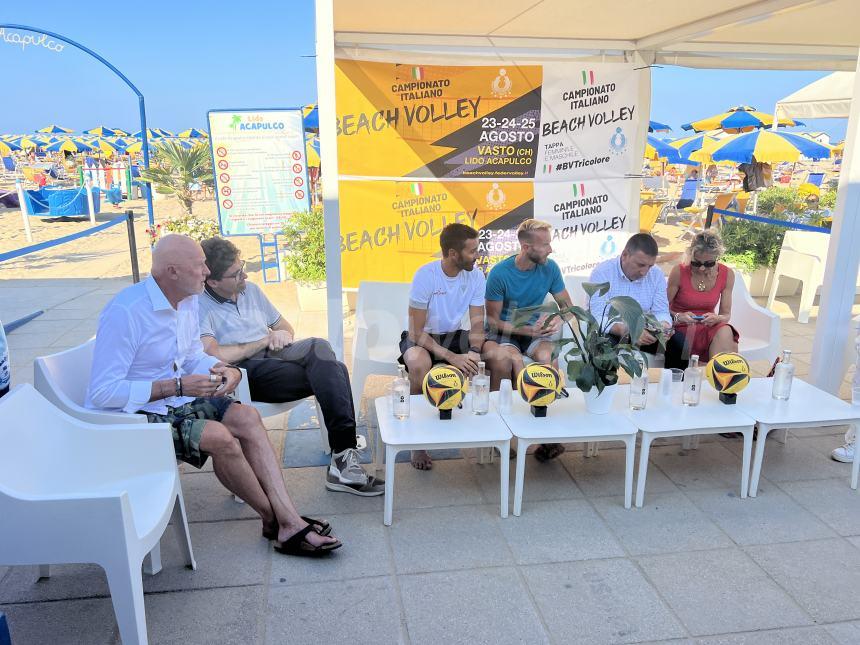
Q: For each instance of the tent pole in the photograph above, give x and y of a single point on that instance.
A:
(328, 160)
(833, 328)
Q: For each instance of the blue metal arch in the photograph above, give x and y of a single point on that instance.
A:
(145, 148)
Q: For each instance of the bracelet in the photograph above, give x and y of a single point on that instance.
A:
(178, 382)
(474, 349)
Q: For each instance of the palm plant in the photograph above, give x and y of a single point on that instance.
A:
(594, 360)
(176, 169)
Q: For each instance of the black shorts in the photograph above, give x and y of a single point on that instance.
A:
(455, 341)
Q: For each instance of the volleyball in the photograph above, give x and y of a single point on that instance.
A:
(539, 384)
(728, 373)
(444, 386)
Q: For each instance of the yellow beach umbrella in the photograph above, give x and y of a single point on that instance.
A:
(54, 129)
(737, 119)
(696, 147)
(6, 149)
(767, 146)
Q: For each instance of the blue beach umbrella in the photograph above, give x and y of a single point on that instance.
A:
(741, 117)
(193, 133)
(656, 126)
(70, 145)
(767, 146)
(656, 150)
(311, 115)
(54, 129)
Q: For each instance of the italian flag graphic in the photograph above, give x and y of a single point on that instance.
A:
(547, 168)
(579, 190)
(417, 189)
(588, 77)
(418, 73)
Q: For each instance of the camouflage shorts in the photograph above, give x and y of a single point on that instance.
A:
(188, 422)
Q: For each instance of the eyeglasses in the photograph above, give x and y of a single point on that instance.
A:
(241, 270)
(708, 265)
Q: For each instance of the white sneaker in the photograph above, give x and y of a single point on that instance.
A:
(844, 453)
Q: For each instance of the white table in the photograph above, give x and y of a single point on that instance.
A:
(670, 418)
(423, 430)
(567, 421)
(807, 407)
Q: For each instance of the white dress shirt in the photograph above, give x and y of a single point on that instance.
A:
(649, 291)
(141, 338)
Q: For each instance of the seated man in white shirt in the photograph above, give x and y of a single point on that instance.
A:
(634, 274)
(240, 325)
(442, 292)
(148, 359)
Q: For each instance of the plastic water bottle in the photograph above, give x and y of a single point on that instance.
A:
(639, 387)
(5, 369)
(506, 394)
(692, 382)
(783, 375)
(481, 390)
(400, 394)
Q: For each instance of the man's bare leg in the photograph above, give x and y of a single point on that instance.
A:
(501, 363)
(244, 423)
(418, 363)
(542, 353)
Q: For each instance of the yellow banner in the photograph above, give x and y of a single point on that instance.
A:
(390, 228)
(398, 120)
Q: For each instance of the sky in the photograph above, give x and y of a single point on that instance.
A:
(187, 58)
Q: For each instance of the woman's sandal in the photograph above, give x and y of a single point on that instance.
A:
(297, 544)
(320, 526)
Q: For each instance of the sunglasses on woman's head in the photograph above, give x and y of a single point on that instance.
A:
(709, 264)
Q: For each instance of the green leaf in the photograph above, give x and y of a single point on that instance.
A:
(590, 288)
(630, 313)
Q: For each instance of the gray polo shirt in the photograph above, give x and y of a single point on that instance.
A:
(244, 320)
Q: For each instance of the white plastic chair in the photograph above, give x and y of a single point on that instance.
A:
(62, 378)
(802, 256)
(381, 311)
(76, 492)
(759, 328)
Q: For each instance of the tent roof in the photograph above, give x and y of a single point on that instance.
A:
(825, 98)
(756, 34)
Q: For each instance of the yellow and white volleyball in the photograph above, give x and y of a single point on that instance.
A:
(539, 384)
(444, 386)
(728, 373)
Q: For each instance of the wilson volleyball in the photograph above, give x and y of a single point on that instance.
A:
(539, 384)
(444, 386)
(728, 373)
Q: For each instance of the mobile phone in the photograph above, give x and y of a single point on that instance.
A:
(697, 317)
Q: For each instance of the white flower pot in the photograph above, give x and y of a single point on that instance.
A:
(600, 403)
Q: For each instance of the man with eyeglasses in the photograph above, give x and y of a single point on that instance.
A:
(634, 273)
(148, 359)
(239, 325)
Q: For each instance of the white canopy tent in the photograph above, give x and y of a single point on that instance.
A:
(734, 34)
(826, 98)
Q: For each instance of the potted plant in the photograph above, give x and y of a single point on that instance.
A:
(304, 259)
(175, 170)
(593, 360)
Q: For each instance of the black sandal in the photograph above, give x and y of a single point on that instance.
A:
(320, 526)
(296, 544)
(547, 451)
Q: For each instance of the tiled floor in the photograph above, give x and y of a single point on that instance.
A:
(696, 564)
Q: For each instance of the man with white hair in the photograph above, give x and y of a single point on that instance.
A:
(148, 359)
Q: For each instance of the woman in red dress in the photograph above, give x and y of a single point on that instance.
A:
(695, 288)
